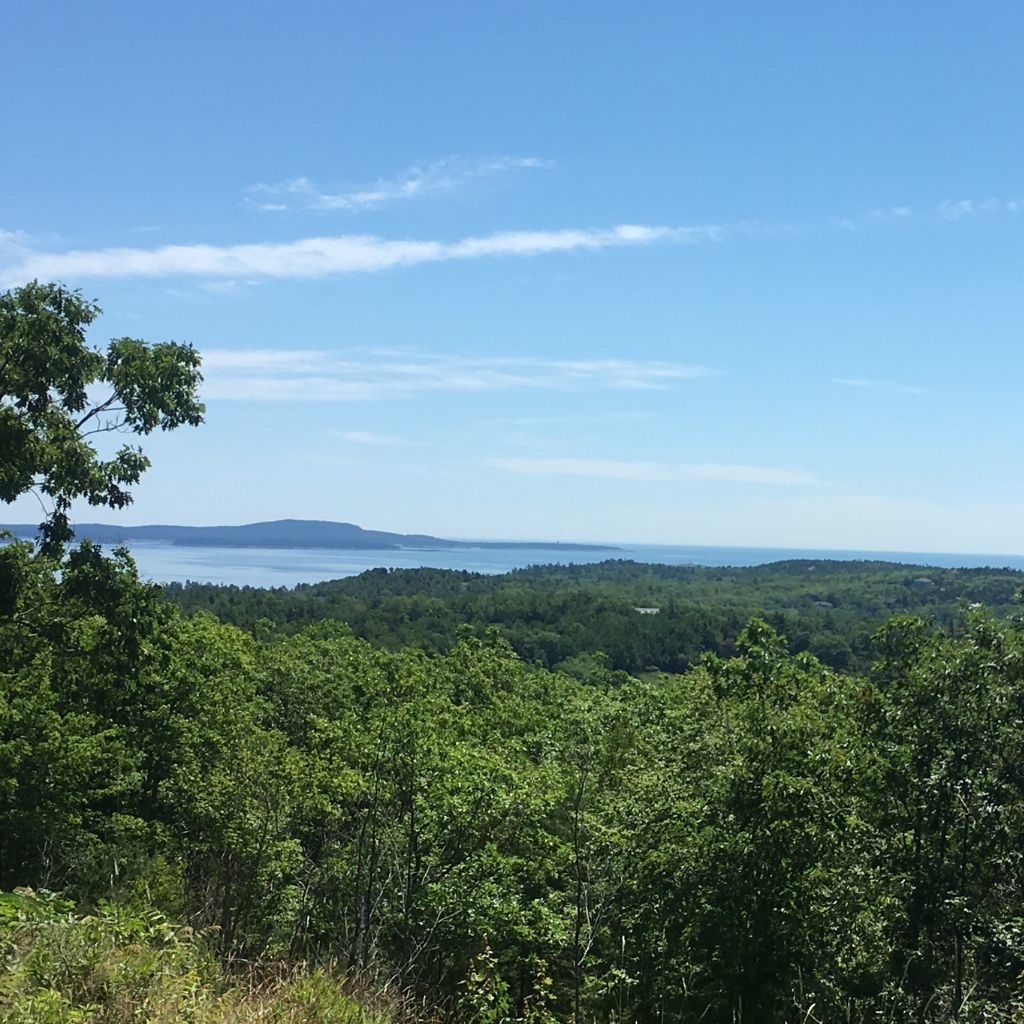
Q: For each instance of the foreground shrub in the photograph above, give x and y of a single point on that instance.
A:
(123, 965)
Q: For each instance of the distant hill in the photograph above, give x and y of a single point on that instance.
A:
(287, 533)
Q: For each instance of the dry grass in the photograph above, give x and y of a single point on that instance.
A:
(117, 967)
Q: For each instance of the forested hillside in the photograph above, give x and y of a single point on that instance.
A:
(281, 820)
(285, 533)
(559, 616)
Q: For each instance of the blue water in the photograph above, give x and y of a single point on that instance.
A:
(285, 567)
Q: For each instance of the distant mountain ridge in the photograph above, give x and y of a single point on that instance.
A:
(288, 533)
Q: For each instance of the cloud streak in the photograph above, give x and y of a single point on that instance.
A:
(614, 416)
(955, 209)
(341, 254)
(417, 182)
(892, 212)
(371, 438)
(947, 209)
(663, 472)
(950, 210)
(23, 258)
(872, 384)
(315, 376)
(15, 245)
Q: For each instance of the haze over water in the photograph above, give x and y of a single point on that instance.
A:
(286, 567)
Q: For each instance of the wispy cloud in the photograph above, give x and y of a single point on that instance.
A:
(612, 469)
(878, 385)
(340, 254)
(955, 209)
(892, 212)
(308, 375)
(947, 210)
(417, 182)
(371, 438)
(598, 417)
(23, 257)
(15, 245)
(227, 286)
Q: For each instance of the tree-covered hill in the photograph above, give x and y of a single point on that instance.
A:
(287, 533)
(552, 615)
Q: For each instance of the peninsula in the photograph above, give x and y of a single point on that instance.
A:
(289, 533)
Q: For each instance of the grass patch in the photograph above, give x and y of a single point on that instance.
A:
(122, 965)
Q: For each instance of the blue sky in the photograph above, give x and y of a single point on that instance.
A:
(709, 273)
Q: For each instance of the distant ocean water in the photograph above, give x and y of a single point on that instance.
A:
(285, 567)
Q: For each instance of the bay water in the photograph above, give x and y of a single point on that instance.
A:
(286, 567)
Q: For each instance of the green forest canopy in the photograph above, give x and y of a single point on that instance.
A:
(556, 615)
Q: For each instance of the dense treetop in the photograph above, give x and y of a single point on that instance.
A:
(57, 392)
(552, 614)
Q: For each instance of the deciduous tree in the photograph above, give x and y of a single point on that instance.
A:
(57, 393)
